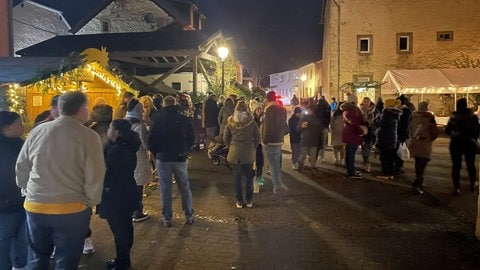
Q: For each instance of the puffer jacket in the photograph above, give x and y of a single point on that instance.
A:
(119, 187)
(387, 126)
(242, 137)
(353, 119)
(11, 200)
(423, 131)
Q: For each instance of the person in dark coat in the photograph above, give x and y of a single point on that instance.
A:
(170, 140)
(210, 118)
(13, 241)
(310, 128)
(463, 128)
(402, 130)
(294, 126)
(387, 138)
(323, 113)
(119, 197)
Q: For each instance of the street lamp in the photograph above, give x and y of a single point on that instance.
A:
(223, 53)
(303, 78)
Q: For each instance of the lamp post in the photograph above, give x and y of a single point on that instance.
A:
(223, 53)
(303, 78)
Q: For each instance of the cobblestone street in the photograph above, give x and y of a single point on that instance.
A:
(324, 222)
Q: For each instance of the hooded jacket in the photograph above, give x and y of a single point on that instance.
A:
(11, 200)
(387, 128)
(119, 187)
(423, 131)
(242, 137)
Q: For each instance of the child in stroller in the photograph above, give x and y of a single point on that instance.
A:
(217, 151)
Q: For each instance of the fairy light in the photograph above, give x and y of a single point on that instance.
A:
(15, 100)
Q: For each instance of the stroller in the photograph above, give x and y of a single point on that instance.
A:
(218, 151)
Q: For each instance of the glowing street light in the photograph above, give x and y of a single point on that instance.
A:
(303, 78)
(223, 53)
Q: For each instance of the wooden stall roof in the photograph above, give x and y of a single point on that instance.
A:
(24, 70)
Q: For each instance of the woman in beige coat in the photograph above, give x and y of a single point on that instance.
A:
(242, 136)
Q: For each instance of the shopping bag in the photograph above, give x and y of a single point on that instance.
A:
(403, 152)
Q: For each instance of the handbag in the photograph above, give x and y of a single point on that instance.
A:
(364, 130)
(477, 146)
(403, 152)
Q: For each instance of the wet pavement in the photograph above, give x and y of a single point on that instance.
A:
(320, 222)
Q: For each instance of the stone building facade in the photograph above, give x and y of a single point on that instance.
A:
(365, 38)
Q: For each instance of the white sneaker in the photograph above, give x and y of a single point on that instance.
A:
(88, 246)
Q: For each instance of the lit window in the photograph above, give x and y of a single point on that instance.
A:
(364, 44)
(404, 42)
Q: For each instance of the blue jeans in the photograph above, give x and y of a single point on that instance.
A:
(180, 171)
(13, 240)
(66, 232)
(350, 151)
(241, 171)
(274, 155)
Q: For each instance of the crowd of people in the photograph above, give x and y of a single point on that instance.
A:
(75, 160)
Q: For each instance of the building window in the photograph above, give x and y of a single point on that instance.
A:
(364, 44)
(445, 36)
(105, 26)
(177, 86)
(404, 42)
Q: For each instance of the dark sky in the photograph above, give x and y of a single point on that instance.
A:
(288, 30)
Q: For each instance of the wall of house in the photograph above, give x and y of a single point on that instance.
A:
(128, 16)
(288, 83)
(383, 20)
(186, 82)
(33, 24)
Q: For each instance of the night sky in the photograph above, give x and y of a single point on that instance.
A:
(289, 31)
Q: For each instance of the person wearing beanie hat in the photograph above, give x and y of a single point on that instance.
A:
(142, 173)
(402, 130)
(387, 138)
(352, 98)
(273, 129)
(463, 129)
(423, 131)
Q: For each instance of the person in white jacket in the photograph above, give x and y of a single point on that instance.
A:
(61, 170)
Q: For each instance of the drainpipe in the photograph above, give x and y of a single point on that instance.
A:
(338, 48)
(6, 31)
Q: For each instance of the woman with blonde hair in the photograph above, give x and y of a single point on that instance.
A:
(242, 136)
(149, 109)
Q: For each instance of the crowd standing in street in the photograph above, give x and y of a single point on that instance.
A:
(13, 242)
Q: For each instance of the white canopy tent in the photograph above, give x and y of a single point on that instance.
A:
(431, 81)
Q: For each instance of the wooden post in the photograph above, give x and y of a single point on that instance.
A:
(195, 73)
(6, 31)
